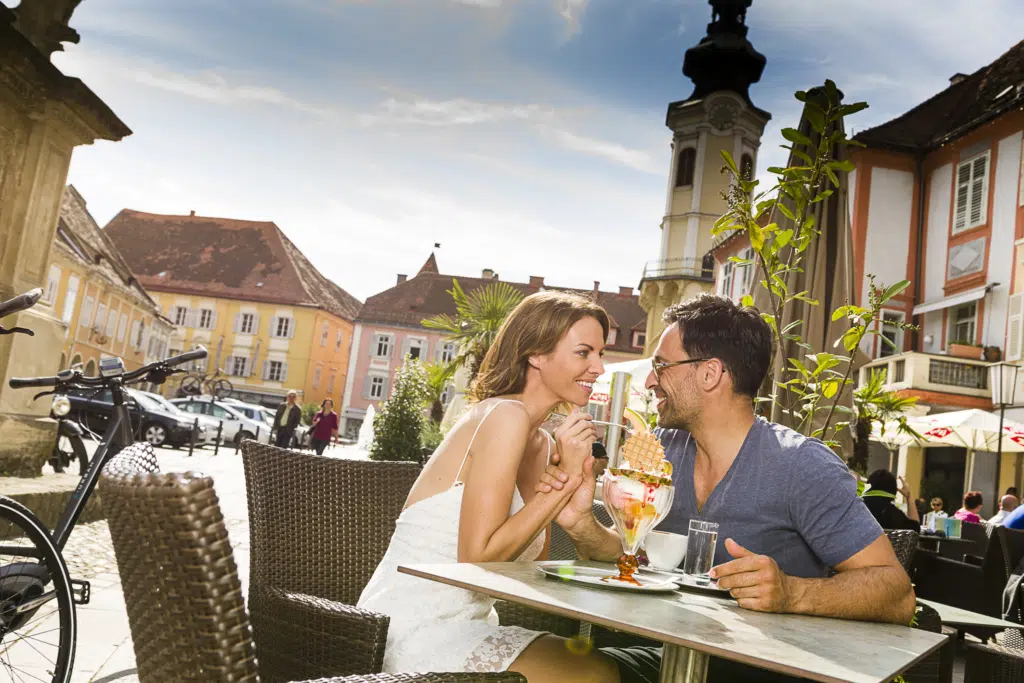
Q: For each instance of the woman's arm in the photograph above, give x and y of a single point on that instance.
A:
(486, 531)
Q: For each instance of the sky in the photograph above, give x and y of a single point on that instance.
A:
(525, 136)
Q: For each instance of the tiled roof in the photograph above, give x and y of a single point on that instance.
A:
(224, 257)
(79, 237)
(427, 295)
(963, 106)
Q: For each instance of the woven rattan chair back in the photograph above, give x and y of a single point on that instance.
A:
(904, 542)
(319, 525)
(178, 575)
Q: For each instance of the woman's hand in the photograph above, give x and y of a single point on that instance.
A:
(574, 439)
(904, 489)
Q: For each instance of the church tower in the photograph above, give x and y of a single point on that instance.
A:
(718, 115)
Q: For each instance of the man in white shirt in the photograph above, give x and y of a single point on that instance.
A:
(1007, 504)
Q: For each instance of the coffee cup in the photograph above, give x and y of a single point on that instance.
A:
(665, 550)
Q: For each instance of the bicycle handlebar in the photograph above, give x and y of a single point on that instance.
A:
(76, 378)
(20, 302)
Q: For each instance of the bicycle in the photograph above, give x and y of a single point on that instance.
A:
(38, 577)
(214, 385)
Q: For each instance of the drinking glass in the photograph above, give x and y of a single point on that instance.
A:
(700, 550)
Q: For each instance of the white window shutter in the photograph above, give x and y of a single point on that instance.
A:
(979, 191)
(291, 328)
(266, 370)
(213, 321)
(284, 372)
(255, 323)
(367, 382)
(963, 182)
(391, 345)
(238, 323)
(273, 326)
(1015, 328)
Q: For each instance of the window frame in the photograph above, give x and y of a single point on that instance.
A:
(270, 371)
(251, 327)
(179, 315)
(970, 197)
(207, 317)
(884, 350)
(688, 152)
(374, 385)
(953, 323)
(283, 323)
(52, 284)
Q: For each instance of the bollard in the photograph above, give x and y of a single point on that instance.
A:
(257, 434)
(216, 444)
(238, 441)
(192, 439)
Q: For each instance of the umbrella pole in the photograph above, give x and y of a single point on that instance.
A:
(999, 454)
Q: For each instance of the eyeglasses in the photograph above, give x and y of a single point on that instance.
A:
(659, 365)
(936, 505)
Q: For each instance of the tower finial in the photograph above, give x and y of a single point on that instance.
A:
(724, 59)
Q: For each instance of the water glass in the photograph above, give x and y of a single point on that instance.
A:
(952, 527)
(700, 550)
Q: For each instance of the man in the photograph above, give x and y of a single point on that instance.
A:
(786, 506)
(1007, 504)
(286, 420)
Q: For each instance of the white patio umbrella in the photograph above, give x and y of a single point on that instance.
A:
(638, 396)
(974, 430)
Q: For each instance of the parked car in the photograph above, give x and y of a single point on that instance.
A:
(150, 421)
(208, 425)
(236, 426)
(303, 437)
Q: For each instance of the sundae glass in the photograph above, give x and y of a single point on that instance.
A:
(638, 495)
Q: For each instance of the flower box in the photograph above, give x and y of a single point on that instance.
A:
(965, 351)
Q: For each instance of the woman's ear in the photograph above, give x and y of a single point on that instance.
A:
(534, 362)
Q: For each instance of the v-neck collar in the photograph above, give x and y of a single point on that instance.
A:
(691, 469)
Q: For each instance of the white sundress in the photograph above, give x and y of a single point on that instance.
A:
(435, 627)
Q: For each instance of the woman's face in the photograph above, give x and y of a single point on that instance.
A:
(571, 369)
(328, 406)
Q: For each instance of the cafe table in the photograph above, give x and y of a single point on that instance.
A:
(695, 625)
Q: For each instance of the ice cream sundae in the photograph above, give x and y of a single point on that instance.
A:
(637, 494)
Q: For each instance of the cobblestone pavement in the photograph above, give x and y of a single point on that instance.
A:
(105, 653)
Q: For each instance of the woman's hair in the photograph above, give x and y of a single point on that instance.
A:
(972, 499)
(534, 328)
(323, 403)
(936, 499)
(882, 480)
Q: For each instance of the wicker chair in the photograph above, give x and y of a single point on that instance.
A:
(1002, 663)
(904, 542)
(183, 596)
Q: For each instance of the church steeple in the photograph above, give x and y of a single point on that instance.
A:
(724, 59)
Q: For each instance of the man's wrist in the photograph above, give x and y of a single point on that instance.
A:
(796, 592)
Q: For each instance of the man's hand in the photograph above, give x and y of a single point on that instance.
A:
(904, 489)
(755, 581)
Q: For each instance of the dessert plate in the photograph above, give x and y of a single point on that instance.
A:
(650, 581)
(690, 582)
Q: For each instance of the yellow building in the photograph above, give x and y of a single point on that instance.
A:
(92, 289)
(718, 116)
(269, 319)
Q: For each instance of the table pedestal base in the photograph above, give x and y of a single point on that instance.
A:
(682, 665)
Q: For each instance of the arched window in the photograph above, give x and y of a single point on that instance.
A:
(747, 167)
(76, 360)
(63, 360)
(685, 168)
(90, 368)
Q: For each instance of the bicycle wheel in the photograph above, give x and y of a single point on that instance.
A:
(67, 450)
(37, 609)
(219, 388)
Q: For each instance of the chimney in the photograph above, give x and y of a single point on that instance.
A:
(192, 212)
(597, 288)
(402, 278)
(625, 291)
(957, 78)
(536, 281)
(488, 274)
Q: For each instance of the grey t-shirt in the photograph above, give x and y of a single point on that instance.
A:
(786, 496)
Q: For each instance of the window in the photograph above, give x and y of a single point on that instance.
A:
(1015, 328)
(892, 331)
(448, 352)
(70, 299)
(962, 321)
(747, 167)
(52, 285)
(748, 270)
(178, 315)
(323, 334)
(85, 319)
(207, 319)
(122, 327)
(330, 384)
(971, 193)
(685, 167)
(316, 378)
(139, 334)
(111, 324)
(613, 334)
(246, 323)
(639, 339)
(238, 366)
(415, 348)
(727, 268)
(135, 331)
(282, 328)
(382, 346)
(101, 313)
(337, 342)
(275, 371)
(377, 387)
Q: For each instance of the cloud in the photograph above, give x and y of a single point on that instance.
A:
(572, 12)
(633, 158)
(454, 112)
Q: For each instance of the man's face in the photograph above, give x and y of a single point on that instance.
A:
(679, 405)
(291, 399)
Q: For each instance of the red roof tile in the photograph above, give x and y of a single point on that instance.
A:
(224, 257)
(952, 113)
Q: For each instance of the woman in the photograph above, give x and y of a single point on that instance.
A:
(325, 424)
(880, 500)
(971, 510)
(934, 520)
(475, 500)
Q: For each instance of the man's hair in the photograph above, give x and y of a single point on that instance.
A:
(715, 327)
(882, 480)
(1008, 502)
(972, 499)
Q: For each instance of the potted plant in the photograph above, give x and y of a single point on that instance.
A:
(964, 349)
(993, 354)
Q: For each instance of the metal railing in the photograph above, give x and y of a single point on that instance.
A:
(932, 372)
(698, 269)
(957, 374)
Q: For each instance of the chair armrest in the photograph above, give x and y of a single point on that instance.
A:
(974, 560)
(300, 636)
(511, 614)
(504, 677)
(993, 664)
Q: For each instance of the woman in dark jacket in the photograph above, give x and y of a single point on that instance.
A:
(325, 424)
(881, 501)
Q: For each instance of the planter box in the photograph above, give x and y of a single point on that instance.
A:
(965, 351)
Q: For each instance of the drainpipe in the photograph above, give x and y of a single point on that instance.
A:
(915, 334)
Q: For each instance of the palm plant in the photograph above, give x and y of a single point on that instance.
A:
(873, 403)
(438, 376)
(478, 317)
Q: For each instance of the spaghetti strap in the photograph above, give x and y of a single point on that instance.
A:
(473, 438)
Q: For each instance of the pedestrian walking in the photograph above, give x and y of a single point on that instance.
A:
(325, 426)
(286, 420)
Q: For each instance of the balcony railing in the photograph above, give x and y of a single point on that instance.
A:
(927, 372)
(694, 268)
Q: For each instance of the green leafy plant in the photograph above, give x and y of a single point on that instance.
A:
(478, 317)
(308, 411)
(398, 425)
(431, 436)
(808, 388)
(438, 377)
(874, 404)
